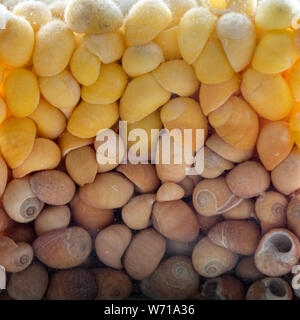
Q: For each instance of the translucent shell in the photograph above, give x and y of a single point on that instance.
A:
(184, 113)
(18, 33)
(3, 110)
(88, 119)
(212, 66)
(145, 21)
(45, 155)
(85, 66)
(212, 96)
(81, 165)
(293, 78)
(108, 47)
(21, 92)
(167, 41)
(142, 96)
(269, 95)
(177, 77)
(17, 137)
(276, 14)
(195, 28)
(88, 16)
(274, 143)
(152, 121)
(109, 86)
(50, 121)
(62, 90)
(55, 38)
(178, 9)
(67, 142)
(236, 123)
(243, 6)
(36, 13)
(275, 52)
(142, 59)
(238, 38)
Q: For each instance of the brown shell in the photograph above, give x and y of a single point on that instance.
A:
(74, 284)
(52, 218)
(246, 269)
(112, 284)
(15, 257)
(111, 243)
(174, 279)
(109, 191)
(137, 212)
(52, 187)
(89, 218)
(212, 196)
(63, 248)
(269, 289)
(248, 179)
(277, 252)
(19, 202)
(270, 209)
(214, 164)
(211, 260)
(286, 176)
(241, 237)
(169, 191)
(175, 220)
(143, 176)
(29, 284)
(293, 216)
(219, 146)
(21, 232)
(244, 210)
(144, 253)
(223, 288)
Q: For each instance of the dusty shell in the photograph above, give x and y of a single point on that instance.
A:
(240, 237)
(29, 284)
(175, 220)
(73, 284)
(112, 284)
(248, 179)
(52, 187)
(213, 196)
(137, 212)
(219, 146)
(111, 243)
(246, 269)
(144, 254)
(109, 191)
(277, 252)
(211, 260)
(174, 279)
(270, 209)
(89, 218)
(143, 176)
(169, 191)
(64, 248)
(269, 289)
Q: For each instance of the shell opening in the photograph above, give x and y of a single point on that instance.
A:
(282, 243)
(277, 288)
(210, 291)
